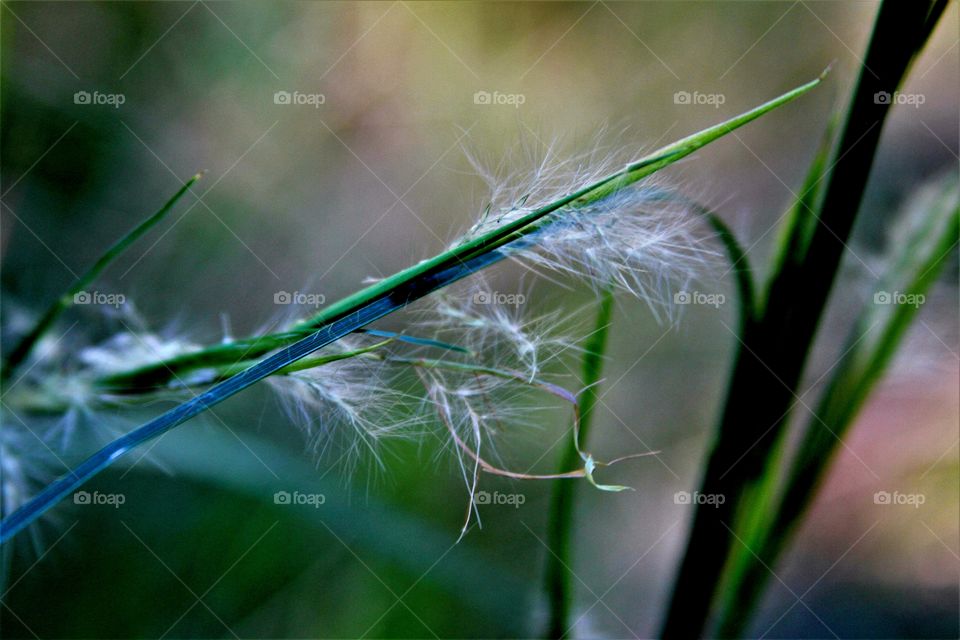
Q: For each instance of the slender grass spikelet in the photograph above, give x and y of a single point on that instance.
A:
(644, 238)
(574, 216)
(349, 405)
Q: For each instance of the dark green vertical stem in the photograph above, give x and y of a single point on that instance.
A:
(560, 532)
(774, 349)
(855, 376)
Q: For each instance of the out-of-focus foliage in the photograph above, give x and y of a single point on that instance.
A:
(314, 199)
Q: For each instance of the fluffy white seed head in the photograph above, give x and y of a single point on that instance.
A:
(643, 240)
(635, 241)
(128, 350)
(640, 240)
(496, 327)
(349, 404)
(16, 472)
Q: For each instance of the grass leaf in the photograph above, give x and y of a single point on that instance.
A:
(797, 231)
(559, 583)
(870, 346)
(150, 376)
(65, 301)
(360, 309)
(772, 353)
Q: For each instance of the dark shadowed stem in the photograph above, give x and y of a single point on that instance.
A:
(559, 577)
(774, 349)
(856, 374)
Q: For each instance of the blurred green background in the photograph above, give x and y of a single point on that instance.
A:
(304, 197)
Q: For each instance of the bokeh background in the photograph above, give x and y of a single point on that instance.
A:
(316, 197)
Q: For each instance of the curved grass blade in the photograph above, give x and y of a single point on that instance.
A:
(739, 264)
(153, 375)
(61, 304)
(871, 345)
(359, 309)
(797, 231)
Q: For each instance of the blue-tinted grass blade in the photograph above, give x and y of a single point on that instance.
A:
(374, 310)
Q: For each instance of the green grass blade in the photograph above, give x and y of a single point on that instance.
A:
(740, 264)
(415, 340)
(871, 345)
(754, 513)
(115, 384)
(773, 352)
(150, 376)
(559, 583)
(360, 309)
(23, 348)
(797, 230)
